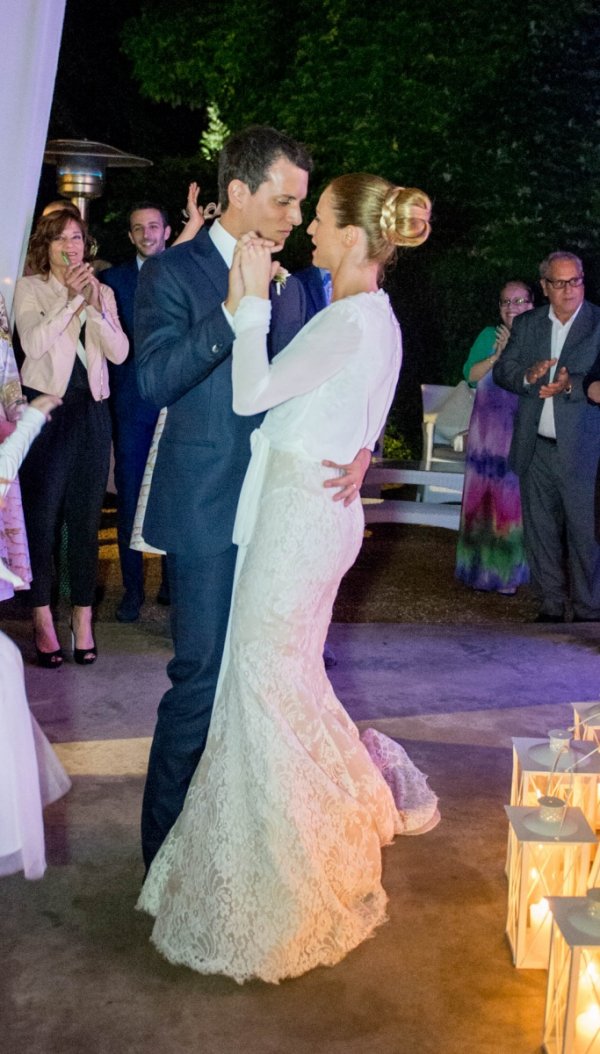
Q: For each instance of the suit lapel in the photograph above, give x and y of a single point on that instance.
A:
(209, 260)
(544, 334)
(578, 332)
(206, 256)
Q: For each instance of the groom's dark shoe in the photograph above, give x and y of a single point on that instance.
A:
(545, 616)
(164, 595)
(129, 608)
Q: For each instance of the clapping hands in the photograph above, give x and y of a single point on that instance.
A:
(502, 338)
(538, 369)
(561, 383)
(81, 281)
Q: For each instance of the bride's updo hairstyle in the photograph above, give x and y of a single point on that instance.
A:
(391, 217)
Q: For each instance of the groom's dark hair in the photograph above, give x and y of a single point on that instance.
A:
(249, 154)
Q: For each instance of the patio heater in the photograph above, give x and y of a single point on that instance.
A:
(81, 166)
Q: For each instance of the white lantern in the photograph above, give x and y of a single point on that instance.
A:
(557, 766)
(586, 720)
(549, 856)
(572, 1015)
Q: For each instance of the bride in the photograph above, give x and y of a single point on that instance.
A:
(274, 866)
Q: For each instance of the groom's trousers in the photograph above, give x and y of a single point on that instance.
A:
(200, 600)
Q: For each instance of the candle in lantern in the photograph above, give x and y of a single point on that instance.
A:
(589, 984)
(540, 918)
(543, 863)
(587, 1030)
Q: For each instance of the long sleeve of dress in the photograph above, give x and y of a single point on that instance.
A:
(15, 446)
(316, 354)
(105, 323)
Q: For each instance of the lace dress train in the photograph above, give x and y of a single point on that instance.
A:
(274, 866)
(31, 776)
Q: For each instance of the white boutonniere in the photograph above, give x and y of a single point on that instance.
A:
(280, 278)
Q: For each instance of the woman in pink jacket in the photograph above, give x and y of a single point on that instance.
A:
(68, 327)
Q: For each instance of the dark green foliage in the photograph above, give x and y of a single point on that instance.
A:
(493, 109)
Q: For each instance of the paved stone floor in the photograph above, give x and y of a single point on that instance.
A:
(453, 682)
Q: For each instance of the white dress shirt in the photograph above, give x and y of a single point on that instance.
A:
(223, 241)
(560, 332)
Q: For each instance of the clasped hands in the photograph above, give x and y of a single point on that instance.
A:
(560, 384)
(252, 269)
(81, 281)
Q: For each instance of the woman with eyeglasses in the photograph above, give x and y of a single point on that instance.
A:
(490, 554)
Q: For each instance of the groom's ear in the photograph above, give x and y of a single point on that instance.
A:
(238, 193)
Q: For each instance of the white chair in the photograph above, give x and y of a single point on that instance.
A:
(446, 414)
(433, 396)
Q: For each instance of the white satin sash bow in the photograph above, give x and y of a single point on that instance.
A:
(247, 509)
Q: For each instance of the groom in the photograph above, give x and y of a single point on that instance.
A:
(183, 338)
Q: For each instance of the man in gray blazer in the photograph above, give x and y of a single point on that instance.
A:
(556, 440)
(183, 353)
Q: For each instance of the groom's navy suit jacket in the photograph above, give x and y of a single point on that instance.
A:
(312, 283)
(183, 349)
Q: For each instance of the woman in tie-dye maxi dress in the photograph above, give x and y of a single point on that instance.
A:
(490, 552)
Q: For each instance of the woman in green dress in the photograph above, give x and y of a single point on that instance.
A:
(490, 553)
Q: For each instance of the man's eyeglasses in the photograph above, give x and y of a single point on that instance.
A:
(516, 300)
(560, 283)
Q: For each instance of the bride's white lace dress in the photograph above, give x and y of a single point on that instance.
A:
(31, 775)
(274, 866)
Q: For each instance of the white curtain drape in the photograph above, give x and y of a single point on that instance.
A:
(31, 32)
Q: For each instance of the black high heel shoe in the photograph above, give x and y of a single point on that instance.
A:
(83, 656)
(48, 660)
